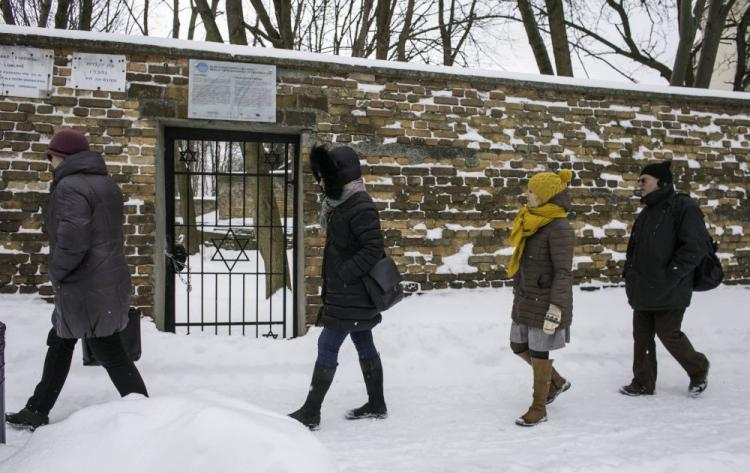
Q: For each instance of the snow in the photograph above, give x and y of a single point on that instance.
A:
(453, 389)
(248, 51)
(458, 263)
(173, 434)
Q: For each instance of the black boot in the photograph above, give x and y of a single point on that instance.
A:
(635, 389)
(26, 419)
(699, 383)
(309, 413)
(375, 407)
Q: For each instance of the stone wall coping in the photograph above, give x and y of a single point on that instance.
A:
(148, 45)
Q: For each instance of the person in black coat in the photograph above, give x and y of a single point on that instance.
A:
(88, 272)
(666, 244)
(354, 244)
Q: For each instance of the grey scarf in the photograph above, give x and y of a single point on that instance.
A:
(351, 188)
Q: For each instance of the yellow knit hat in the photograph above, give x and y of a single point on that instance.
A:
(546, 185)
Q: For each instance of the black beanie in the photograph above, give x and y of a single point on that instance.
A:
(660, 171)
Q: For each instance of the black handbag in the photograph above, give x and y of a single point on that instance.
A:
(130, 336)
(383, 284)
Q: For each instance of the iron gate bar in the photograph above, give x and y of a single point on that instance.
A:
(228, 144)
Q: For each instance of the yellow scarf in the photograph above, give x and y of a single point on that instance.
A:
(528, 222)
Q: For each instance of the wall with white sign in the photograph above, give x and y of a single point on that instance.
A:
(25, 72)
(232, 91)
(98, 72)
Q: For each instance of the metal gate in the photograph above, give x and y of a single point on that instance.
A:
(231, 239)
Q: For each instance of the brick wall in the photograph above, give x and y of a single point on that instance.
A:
(445, 156)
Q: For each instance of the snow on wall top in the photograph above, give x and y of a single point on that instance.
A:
(249, 51)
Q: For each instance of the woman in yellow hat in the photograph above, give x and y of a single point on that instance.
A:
(541, 266)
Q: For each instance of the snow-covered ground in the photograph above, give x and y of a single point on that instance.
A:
(452, 385)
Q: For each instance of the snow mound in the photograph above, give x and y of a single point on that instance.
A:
(195, 433)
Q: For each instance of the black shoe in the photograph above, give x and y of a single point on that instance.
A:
(307, 417)
(635, 389)
(698, 384)
(26, 419)
(368, 411)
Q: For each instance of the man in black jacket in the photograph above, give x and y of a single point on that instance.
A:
(666, 244)
(88, 272)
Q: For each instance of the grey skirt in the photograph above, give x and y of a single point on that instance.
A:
(537, 339)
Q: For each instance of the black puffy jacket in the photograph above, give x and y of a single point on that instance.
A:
(354, 243)
(666, 245)
(87, 265)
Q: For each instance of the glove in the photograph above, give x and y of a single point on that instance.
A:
(552, 319)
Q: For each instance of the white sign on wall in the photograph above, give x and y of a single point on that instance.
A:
(98, 72)
(232, 91)
(26, 72)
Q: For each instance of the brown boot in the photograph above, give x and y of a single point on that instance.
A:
(559, 384)
(537, 413)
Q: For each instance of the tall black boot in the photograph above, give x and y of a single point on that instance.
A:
(309, 413)
(374, 408)
(121, 369)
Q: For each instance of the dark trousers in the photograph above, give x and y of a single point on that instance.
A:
(108, 350)
(666, 325)
(330, 342)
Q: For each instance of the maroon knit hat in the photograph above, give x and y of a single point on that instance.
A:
(67, 142)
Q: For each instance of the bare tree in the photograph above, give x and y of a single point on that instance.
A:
(689, 22)
(84, 20)
(8, 15)
(176, 18)
(742, 73)
(208, 15)
(62, 14)
(383, 13)
(450, 27)
(365, 22)
(535, 38)
(716, 19)
(236, 22)
(559, 36)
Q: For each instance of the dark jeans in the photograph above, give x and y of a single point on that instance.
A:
(330, 342)
(108, 350)
(666, 325)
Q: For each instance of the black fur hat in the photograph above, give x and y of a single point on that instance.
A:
(336, 167)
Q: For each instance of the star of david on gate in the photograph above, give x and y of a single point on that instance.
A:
(240, 243)
(187, 156)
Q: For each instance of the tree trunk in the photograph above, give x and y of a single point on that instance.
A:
(383, 29)
(84, 21)
(560, 48)
(209, 21)
(535, 38)
(236, 22)
(283, 10)
(269, 231)
(358, 48)
(8, 12)
(403, 37)
(741, 73)
(176, 19)
(193, 20)
(62, 14)
(45, 8)
(445, 34)
(191, 235)
(717, 18)
(145, 17)
(688, 21)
